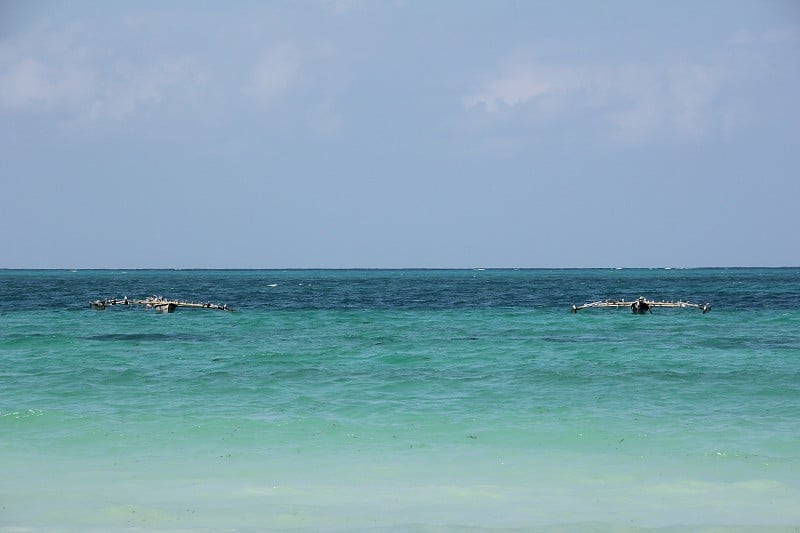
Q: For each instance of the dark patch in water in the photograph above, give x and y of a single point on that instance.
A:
(128, 337)
(561, 339)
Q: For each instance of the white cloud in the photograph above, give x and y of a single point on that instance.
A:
(28, 83)
(342, 6)
(130, 88)
(44, 72)
(785, 35)
(691, 94)
(274, 73)
(637, 103)
(518, 87)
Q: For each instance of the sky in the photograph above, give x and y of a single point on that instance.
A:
(399, 134)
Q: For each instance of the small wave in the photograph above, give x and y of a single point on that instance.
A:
(23, 414)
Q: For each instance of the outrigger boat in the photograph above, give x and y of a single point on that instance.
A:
(159, 303)
(642, 305)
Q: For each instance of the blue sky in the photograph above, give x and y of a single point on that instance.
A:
(399, 134)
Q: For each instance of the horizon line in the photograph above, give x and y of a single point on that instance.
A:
(354, 268)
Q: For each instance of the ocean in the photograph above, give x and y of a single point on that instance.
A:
(400, 400)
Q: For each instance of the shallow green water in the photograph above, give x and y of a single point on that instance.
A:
(400, 399)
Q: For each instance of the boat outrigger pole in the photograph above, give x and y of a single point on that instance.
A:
(642, 305)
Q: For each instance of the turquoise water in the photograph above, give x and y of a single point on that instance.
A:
(400, 400)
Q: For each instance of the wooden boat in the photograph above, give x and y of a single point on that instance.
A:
(641, 306)
(159, 303)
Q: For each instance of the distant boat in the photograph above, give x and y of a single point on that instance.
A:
(159, 303)
(641, 306)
